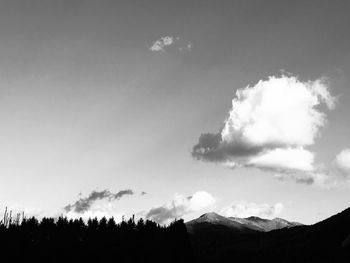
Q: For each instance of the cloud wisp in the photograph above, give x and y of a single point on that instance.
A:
(245, 209)
(338, 174)
(270, 126)
(84, 204)
(179, 206)
(162, 43)
(343, 160)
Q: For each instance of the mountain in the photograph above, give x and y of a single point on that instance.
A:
(212, 228)
(213, 219)
(236, 224)
(276, 240)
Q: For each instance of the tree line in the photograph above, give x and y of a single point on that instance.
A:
(74, 240)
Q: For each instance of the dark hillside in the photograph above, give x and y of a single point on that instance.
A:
(326, 241)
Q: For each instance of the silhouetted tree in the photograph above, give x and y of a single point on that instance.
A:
(61, 240)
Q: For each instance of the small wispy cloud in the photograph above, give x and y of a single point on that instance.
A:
(336, 175)
(179, 206)
(343, 160)
(162, 43)
(187, 47)
(84, 204)
(246, 209)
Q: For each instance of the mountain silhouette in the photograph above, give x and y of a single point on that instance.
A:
(276, 240)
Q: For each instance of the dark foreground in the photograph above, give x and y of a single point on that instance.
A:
(65, 240)
(326, 241)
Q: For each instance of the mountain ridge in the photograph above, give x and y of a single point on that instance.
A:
(239, 224)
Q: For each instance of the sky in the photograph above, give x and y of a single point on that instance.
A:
(169, 109)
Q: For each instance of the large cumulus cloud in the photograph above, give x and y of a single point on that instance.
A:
(270, 126)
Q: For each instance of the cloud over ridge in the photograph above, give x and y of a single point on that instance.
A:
(269, 126)
(179, 206)
(343, 159)
(246, 209)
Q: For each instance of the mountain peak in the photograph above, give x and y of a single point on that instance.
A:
(210, 215)
(216, 224)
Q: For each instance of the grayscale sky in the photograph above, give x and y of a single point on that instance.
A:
(89, 101)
